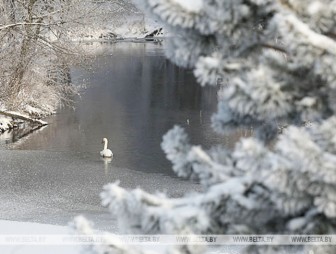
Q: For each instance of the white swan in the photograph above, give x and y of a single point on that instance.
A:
(106, 152)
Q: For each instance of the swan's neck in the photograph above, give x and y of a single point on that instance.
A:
(105, 144)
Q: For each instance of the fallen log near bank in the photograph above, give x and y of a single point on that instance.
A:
(156, 32)
(16, 115)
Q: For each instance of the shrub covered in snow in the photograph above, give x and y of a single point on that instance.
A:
(279, 60)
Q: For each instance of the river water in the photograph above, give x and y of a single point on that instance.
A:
(133, 96)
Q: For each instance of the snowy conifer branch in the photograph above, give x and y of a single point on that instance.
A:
(253, 164)
(192, 161)
(259, 187)
(265, 186)
(176, 146)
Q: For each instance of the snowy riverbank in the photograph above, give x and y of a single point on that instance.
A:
(15, 228)
(125, 28)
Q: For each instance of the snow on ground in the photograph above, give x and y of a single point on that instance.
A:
(28, 228)
(16, 227)
(13, 230)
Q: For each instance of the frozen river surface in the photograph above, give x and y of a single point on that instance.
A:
(53, 187)
(133, 96)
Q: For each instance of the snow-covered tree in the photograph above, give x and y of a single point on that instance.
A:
(278, 58)
(34, 54)
(36, 49)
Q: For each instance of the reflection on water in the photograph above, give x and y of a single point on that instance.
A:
(107, 162)
(134, 96)
(19, 135)
(6, 138)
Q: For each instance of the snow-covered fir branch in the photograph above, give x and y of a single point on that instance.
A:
(289, 189)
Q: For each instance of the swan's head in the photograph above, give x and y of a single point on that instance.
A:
(104, 140)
